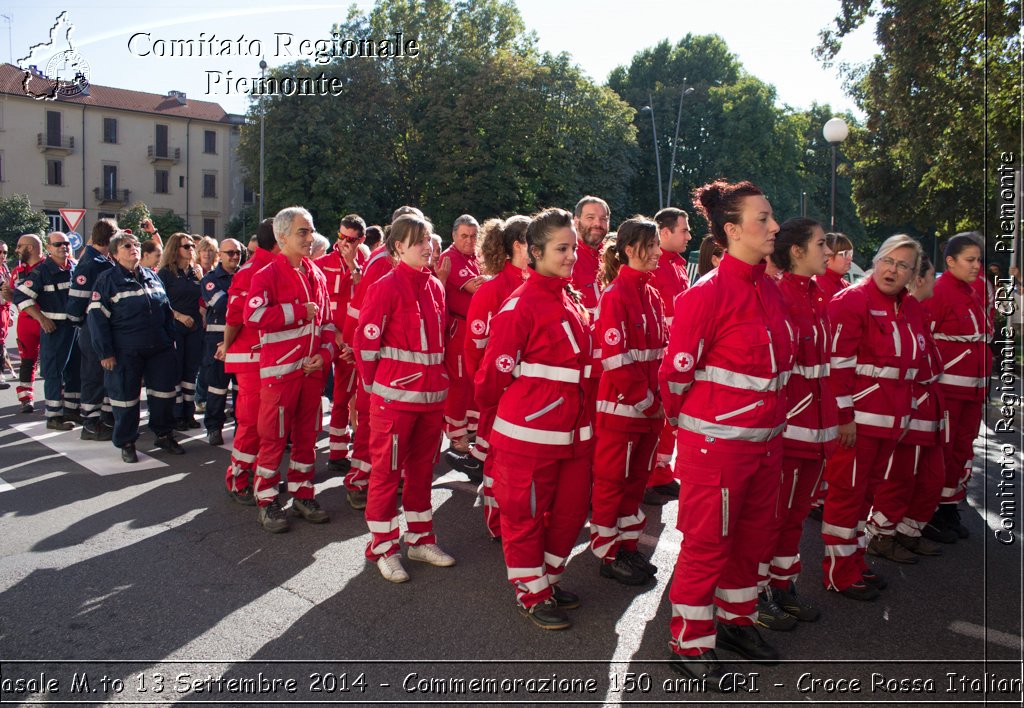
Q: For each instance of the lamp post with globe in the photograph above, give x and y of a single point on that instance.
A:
(835, 132)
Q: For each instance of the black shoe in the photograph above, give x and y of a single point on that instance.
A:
(74, 416)
(886, 547)
(465, 463)
(795, 605)
(652, 498)
(342, 465)
(745, 640)
(815, 513)
(272, 518)
(356, 498)
(26, 407)
(4, 385)
(872, 578)
(564, 599)
(668, 490)
(547, 615)
(57, 422)
(639, 561)
(936, 530)
(704, 666)
(215, 437)
(862, 591)
(919, 545)
(244, 497)
(181, 426)
(955, 523)
(95, 431)
(309, 509)
(621, 570)
(168, 443)
(128, 454)
(770, 614)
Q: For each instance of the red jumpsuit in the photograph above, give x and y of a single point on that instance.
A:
(340, 287)
(459, 418)
(400, 354)
(584, 274)
(811, 432)
(671, 280)
(831, 283)
(909, 494)
(487, 300)
(289, 397)
(632, 331)
(243, 360)
(541, 441)
(723, 383)
(379, 264)
(27, 331)
(874, 362)
(962, 329)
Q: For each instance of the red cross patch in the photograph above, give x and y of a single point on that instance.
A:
(80, 280)
(477, 327)
(210, 286)
(371, 331)
(505, 363)
(683, 362)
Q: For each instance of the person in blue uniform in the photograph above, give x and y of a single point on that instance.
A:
(180, 274)
(131, 325)
(214, 287)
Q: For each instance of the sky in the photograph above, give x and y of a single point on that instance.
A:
(773, 40)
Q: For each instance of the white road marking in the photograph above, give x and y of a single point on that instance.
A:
(987, 634)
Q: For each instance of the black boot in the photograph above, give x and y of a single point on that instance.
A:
(745, 640)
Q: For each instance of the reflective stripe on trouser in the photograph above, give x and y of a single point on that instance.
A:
(852, 482)
(27, 332)
(928, 480)
(726, 506)
(481, 450)
(799, 482)
(358, 476)
(188, 355)
(544, 503)
(246, 445)
(663, 472)
(892, 498)
(124, 388)
(60, 366)
(460, 385)
(345, 379)
(91, 375)
(964, 424)
(622, 464)
(289, 410)
(218, 383)
(409, 441)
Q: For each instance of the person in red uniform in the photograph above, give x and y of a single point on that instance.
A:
(341, 269)
(671, 280)
(591, 218)
(288, 304)
(538, 355)
(961, 328)
(27, 330)
(379, 264)
(811, 432)
(6, 317)
(632, 331)
(873, 366)
(909, 494)
(723, 385)
(400, 354)
(463, 279)
(240, 351)
(504, 256)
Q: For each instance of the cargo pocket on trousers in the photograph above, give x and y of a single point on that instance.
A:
(703, 503)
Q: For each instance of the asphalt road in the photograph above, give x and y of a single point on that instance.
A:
(147, 585)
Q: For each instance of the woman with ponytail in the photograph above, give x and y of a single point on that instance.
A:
(632, 332)
(532, 373)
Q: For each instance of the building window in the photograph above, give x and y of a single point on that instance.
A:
(163, 181)
(209, 227)
(248, 197)
(110, 130)
(55, 173)
(1, 167)
(110, 181)
(210, 142)
(181, 182)
(56, 223)
(161, 140)
(53, 128)
(209, 185)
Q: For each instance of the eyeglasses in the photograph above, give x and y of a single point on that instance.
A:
(189, 246)
(60, 244)
(845, 254)
(348, 239)
(899, 265)
(232, 253)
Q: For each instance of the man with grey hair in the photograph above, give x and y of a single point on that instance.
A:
(592, 217)
(288, 304)
(463, 279)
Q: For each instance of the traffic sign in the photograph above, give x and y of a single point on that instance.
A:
(72, 217)
(76, 240)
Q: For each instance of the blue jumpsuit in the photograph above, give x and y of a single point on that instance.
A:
(183, 292)
(215, 286)
(90, 266)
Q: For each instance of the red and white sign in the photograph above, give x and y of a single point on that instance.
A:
(72, 217)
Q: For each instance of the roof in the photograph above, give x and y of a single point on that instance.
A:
(11, 78)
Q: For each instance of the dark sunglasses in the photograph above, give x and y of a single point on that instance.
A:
(60, 244)
(232, 253)
(189, 246)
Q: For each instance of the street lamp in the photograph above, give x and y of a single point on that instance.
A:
(675, 141)
(657, 156)
(835, 132)
(263, 112)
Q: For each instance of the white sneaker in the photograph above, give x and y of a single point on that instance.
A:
(391, 568)
(431, 553)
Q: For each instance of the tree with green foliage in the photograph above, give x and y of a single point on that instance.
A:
(166, 222)
(17, 217)
(942, 101)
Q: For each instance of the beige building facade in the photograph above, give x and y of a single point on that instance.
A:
(110, 148)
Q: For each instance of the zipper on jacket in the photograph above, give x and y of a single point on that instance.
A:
(771, 352)
(792, 491)
(405, 380)
(725, 511)
(801, 406)
(629, 454)
(700, 348)
(394, 452)
(423, 334)
(280, 421)
(546, 409)
(975, 321)
(956, 359)
(835, 339)
(572, 339)
(744, 409)
(290, 352)
(913, 342)
(896, 339)
(873, 387)
(945, 421)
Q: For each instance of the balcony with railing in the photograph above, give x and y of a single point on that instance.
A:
(55, 144)
(112, 196)
(161, 154)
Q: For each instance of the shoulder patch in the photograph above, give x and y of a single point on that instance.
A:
(371, 331)
(80, 280)
(95, 295)
(683, 362)
(505, 363)
(256, 301)
(612, 336)
(478, 327)
(28, 283)
(210, 285)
